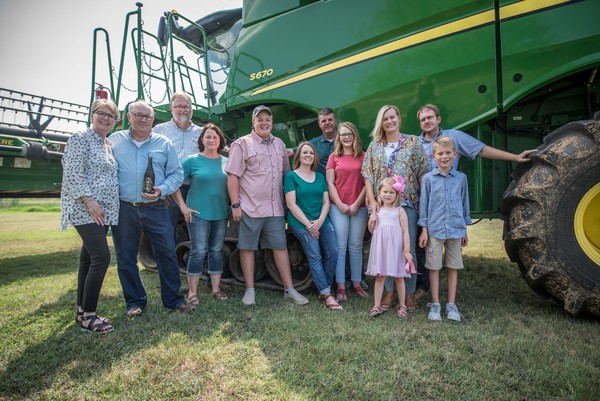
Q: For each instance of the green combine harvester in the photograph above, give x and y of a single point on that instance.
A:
(515, 74)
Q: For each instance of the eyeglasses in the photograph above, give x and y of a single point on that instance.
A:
(142, 117)
(104, 115)
(182, 107)
(426, 118)
(350, 135)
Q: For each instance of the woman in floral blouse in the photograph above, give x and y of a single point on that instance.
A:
(392, 153)
(90, 202)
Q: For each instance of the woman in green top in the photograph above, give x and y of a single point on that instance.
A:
(206, 211)
(308, 203)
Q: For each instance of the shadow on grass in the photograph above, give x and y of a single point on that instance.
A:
(78, 355)
(27, 267)
(315, 352)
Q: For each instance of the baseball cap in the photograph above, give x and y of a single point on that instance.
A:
(260, 108)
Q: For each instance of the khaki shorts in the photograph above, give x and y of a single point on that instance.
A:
(452, 257)
(269, 231)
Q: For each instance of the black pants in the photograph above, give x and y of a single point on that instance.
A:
(94, 259)
(423, 276)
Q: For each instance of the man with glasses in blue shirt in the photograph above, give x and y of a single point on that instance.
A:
(184, 134)
(143, 211)
(430, 119)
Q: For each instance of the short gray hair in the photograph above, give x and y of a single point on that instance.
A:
(185, 95)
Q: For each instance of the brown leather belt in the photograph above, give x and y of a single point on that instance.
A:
(159, 202)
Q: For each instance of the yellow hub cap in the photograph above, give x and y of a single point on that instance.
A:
(587, 223)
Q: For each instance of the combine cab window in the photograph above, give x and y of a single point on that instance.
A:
(221, 48)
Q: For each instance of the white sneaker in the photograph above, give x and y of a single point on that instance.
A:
(249, 298)
(434, 312)
(452, 312)
(295, 296)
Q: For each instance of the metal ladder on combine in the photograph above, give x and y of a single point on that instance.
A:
(159, 71)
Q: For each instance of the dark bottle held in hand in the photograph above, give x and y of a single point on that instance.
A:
(149, 178)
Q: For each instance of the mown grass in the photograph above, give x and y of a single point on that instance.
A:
(29, 205)
(512, 344)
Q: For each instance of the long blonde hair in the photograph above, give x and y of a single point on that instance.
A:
(378, 133)
(388, 182)
(338, 148)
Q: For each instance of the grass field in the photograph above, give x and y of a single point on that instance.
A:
(512, 345)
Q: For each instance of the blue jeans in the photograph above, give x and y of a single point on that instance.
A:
(411, 282)
(349, 231)
(206, 237)
(322, 266)
(155, 223)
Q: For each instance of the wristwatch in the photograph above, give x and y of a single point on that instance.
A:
(235, 205)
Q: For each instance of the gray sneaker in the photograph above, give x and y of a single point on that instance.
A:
(295, 296)
(452, 312)
(249, 298)
(434, 312)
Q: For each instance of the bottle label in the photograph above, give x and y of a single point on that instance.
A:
(148, 185)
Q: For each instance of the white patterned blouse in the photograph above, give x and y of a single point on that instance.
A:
(89, 169)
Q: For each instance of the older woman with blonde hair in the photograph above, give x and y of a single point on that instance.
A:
(90, 202)
(392, 153)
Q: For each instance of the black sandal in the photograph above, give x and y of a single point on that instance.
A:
(97, 325)
(79, 316)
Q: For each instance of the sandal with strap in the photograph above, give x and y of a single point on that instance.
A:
(333, 305)
(402, 311)
(95, 325)
(80, 316)
(194, 300)
(388, 301)
(220, 296)
(340, 295)
(376, 311)
(410, 302)
(359, 291)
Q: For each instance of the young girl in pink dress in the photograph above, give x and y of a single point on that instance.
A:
(390, 245)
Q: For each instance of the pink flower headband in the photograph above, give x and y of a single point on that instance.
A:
(399, 185)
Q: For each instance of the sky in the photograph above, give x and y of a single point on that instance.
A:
(46, 46)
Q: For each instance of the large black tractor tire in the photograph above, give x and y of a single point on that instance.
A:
(301, 276)
(551, 214)
(146, 254)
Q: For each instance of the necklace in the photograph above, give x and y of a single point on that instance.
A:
(393, 145)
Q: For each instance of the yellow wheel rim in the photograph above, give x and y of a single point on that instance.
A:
(587, 223)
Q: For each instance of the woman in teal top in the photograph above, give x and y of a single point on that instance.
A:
(308, 203)
(206, 211)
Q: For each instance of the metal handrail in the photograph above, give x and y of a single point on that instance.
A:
(206, 74)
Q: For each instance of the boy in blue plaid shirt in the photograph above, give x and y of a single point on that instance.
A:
(444, 216)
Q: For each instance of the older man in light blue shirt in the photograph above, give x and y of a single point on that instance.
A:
(184, 134)
(146, 212)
